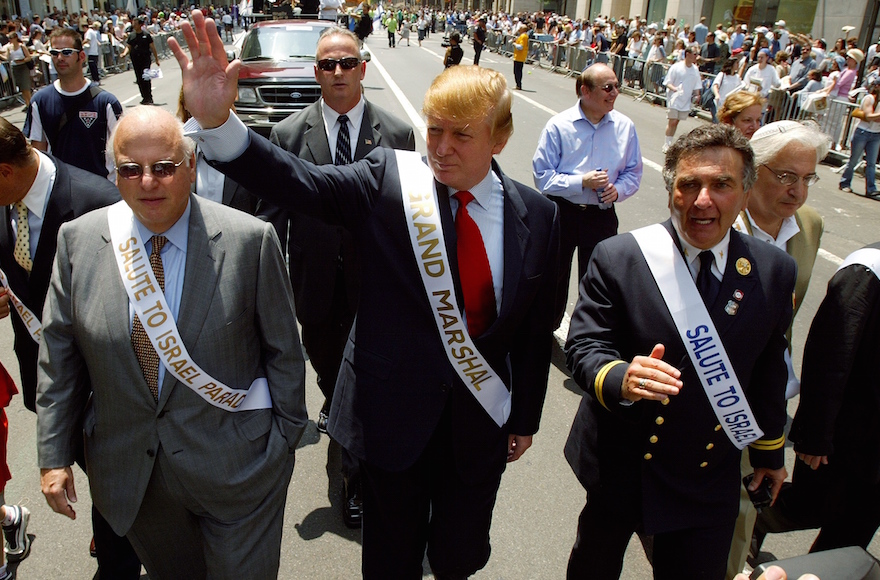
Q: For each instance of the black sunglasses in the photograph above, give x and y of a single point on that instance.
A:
(610, 87)
(159, 169)
(347, 63)
(64, 51)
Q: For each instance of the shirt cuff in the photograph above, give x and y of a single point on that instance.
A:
(223, 143)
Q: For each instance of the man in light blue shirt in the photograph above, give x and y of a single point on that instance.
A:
(588, 157)
(701, 30)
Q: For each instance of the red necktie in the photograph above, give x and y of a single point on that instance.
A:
(473, 268)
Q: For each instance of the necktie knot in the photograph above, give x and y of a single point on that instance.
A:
(343, 121)
(464, 197)
(707, 258)
(158, 243)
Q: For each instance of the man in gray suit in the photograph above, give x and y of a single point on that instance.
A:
(324, 262)
(198, 488)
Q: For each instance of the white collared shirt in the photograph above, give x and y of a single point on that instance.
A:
(332, 126)
(36, 200)
(788, 230)
(487, 211)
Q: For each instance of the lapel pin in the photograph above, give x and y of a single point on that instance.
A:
(368, 141)
(743, 266)
(731, 307)
(738, 295)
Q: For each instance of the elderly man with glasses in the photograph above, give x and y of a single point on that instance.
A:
(587, 159)
(171, 348)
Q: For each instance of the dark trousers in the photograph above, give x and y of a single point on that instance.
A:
(325, 342)
(609, 520)
(391, 39)
(478, 48)
(93, 68)
(428, 504)
(517, 73)
(581, 228)
(144, 86)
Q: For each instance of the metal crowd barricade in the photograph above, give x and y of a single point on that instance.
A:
(9, 93)
(654, 74)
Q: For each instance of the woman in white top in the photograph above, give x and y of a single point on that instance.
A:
(18, 55)
(866, 139)
(725, 82)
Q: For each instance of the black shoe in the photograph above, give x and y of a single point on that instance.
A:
(875, 195)
(18, 544)
(352, 507)
(321, 423)
(93, 551)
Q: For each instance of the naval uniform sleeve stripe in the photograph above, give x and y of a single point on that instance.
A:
(768, 444)
(600, 380)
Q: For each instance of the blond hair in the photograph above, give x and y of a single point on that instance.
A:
(736, 103)
(471, 93)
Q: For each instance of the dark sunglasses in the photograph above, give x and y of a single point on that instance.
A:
(159, 169)
(329, 64)
(64, 51)
(610, 87)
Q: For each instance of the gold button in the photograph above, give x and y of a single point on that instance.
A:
(648, 456)
(718, 427)
(653, 439)
(659, 420)
(710, 446)
(703, 464)
(665, 401)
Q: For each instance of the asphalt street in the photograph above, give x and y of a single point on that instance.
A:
(540, 499)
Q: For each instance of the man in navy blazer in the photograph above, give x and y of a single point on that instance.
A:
(645, 443)
(431, 456)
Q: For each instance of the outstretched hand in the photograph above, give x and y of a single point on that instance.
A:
(210, 84)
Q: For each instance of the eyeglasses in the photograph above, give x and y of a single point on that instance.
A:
(786, 178)
(347, 63)
(610, 87)
(159, 169)
(63, 52)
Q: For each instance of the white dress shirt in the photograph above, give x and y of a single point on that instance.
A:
(332, 126)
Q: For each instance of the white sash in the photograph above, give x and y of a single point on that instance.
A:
(426, 235)
(698, 334)
(868, 257)
(28, 318)
(149, 303)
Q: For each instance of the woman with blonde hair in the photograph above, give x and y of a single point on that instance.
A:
(743, 110)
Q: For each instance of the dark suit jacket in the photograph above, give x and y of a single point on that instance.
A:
(673, 457)
(840, 394)
(395, 380)
(314, 248)
(75, 192)
(234, 195)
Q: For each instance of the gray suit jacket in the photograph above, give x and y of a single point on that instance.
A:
(236, 319)
(315, 248)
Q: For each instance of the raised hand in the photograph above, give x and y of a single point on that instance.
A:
(210, 84)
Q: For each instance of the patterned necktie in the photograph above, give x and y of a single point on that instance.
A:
(473, 268)
(143, 348)
(22, 251)
(343, 142)
(707, 283)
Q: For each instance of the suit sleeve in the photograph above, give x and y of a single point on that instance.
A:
(343, 195)
(834, 342)
(530, 354)
(281, 350)
(593, 349)
(766, 392)
(62, 387)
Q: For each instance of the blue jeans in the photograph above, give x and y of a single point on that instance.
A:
(862, 142)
